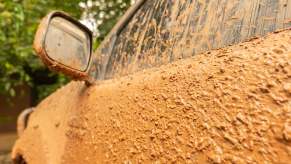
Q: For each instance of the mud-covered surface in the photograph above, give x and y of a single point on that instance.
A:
(5, 158)
(6, 143)
(164, 31)
(231, 105)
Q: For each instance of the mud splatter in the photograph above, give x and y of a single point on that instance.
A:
(229, 105)
(165, 31)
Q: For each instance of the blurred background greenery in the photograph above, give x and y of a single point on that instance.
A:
(18, 22)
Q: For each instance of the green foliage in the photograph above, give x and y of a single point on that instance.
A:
(112, 12)
(105, 14)
(18, 64)
(18, 23)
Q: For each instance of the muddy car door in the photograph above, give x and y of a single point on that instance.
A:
(103, 122)
(164, 31)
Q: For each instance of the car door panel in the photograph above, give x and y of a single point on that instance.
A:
(166, 30)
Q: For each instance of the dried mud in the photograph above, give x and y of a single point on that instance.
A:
(230, 105)
(165, 31)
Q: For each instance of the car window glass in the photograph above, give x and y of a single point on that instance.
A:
(164, 31)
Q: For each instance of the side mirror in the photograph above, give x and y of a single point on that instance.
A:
(64, 45)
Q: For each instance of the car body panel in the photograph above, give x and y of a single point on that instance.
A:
(227, 105)
(160, 29)
(228, 114)
(46, 136)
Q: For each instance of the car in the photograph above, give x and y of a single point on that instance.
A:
(173, 82)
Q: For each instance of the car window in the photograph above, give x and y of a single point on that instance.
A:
(166, 30)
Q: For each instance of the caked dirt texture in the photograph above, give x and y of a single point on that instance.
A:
(160, 29)
(231, 105)
(5, 158)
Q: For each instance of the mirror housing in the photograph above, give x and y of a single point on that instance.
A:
(64, 45)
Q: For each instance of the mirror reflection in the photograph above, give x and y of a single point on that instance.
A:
(67, 44)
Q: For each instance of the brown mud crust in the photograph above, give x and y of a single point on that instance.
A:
(231, 105)
(6, 143)
(5, 158)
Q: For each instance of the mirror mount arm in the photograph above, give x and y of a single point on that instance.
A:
(89, 81)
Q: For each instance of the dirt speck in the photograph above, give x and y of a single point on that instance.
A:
(287, 130)
(287, 88)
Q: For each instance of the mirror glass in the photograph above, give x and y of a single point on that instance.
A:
(68, 44)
